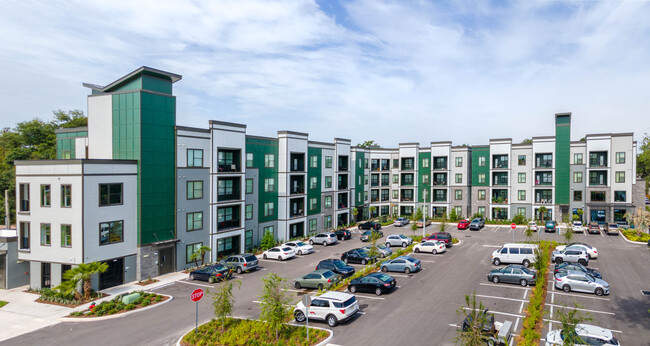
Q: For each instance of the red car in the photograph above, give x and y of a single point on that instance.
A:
(463, 224)
(440, 236)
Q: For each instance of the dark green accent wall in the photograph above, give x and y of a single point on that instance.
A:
(314, 172)
(562, 158)
(476, 153)
(359, 172)
(423, 171)
(65, 142)
(259, 148)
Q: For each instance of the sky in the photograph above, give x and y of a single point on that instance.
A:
(388, 71)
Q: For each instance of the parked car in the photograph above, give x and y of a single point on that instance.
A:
(366, 235)
(279, 253)
(444, 237)
(405, 264)
(420, 223)
(550, 226)
(383, 250)
(343, 234)
(488, 326)
(319, 278)
(592, 252)
(357, 256)
(325, 238)
(433, 246)
(333, 307)
(370, 225)
(566, 266)
(477, 224)
(515, 253)
(401, 221)
(398, 240)
(532, 225)
(594, 227)
(571, 255)
(514, 274)
(337, 266)
(611, 228)
(580, 282)
(590, 335)
(212, 273)
(241, 263)
(379, 283)
(299, 247)
(463, 224)
(577, 226)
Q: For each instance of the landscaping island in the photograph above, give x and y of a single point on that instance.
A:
(120, 304)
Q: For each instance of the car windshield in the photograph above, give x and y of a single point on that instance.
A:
(328, 274)
(286, 249)
(384, 277)
(250, 258)
(402, 236)
(339, 264)
(301, 243)
(367, 233)
(410, 259)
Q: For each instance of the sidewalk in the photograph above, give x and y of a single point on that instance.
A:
(24, 315)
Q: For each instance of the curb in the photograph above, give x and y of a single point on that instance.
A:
(110, 317)
(630, 241)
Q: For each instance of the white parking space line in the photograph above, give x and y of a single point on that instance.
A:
(368, 297)
(578, 295)
(297, 291)
(496, 229)
(454, 325)
(579, 309)
(498, 313)
(402, 275)
(504, 286)
(558, 322)
(496, 246)
(274, 261)
(191, 283)
(427, 261)
(502, 298)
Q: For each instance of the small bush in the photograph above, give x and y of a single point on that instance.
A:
(129, 307)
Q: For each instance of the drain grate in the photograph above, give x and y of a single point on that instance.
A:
(645, 293)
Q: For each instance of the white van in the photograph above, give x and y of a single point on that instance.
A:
(515, 253)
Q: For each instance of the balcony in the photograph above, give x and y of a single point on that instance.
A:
(384, 197)
(228, 224)
(408, 164)
(500, 161)
(385, 180)
(228, 161)
(297, 163)
(297, 207)
(225, 168)
(544, 164)
(343, 163)
(440, 163)
(500, 179)
(407, 179)
(343, 182)
(500, 196)
(385, 165)
(598, 178)
(598, 159)
(342, 201)
(406, 196)
(228, 189)
(543, 196)
(297, 185)
(374, 198)
(543, 179)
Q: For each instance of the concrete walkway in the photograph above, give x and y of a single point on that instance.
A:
(24, 315)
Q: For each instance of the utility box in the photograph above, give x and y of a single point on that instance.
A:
(131, 298)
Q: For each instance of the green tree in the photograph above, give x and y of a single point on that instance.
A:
(568, 235)
(542, 212)
(640, 219)
(476, 314)
(84, 273)
(268, 241)
(355, 212)
(569, 318)
(529, 233)
(368, 144)
(371, 212)
(418, 215)
(373, 251)
(275, 302)
(199, 254)
(223, 300)
(414, 227)
(643, 161)
(453, 217)
(443, 225)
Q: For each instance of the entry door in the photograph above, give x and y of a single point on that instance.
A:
(114, 275)
(46, 275)
(2, 271)
(165, 260)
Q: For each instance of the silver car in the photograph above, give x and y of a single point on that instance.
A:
(325, 238)
(571, 255)
(401, 221)
(241, 263)
(573, 280)
(383, 250)
(405, 264)
(398, 240)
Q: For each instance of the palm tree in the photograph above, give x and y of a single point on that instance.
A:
(542, 212)
(371, 211)
(640, 219)
(200, 253)
(83, 272)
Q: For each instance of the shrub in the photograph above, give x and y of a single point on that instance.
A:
(519, 219)
(268, 241)
(129, 307)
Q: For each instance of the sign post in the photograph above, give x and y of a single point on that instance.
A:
(306, 301)
(196, 296)
(513, 226)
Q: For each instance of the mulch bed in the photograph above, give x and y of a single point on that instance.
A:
(147, 282)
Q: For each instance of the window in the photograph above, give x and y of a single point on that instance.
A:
(66, 235)
(522, 195)
(249, 160)
(521, 160)
(365, 179)
(110, 194)
(249, 186)
(425, 163)
(328, 202)
(577, 177)
(425, 179)
(24, 197)
(620, 177)
(313, 161)
(268, 229)
(224, 187)
(313, 182)
(458, 194)
(194, 221)
(313, 225)
(328, 221)
(360, 160)
(395, 194)
(395, 179)
(620, 157)
(459, 162)
(269, 185)
(249, 211)
(481, 178)
(459, 178)
(481, 211)
(194, 158)
(111, 232)
(313, 202)
(328, 182)
(194, 189)
(328, 162)
(521, 178)
(620, 196)
(577, 158)
(46, 193)
(395, 163)
(249, 240)
(598, 196)
(521, 211)
(459, 211)
(269, 160)
(66, 196)
(190, 250)
(24, 236)
(481, 195)
(269, 208)
(481, 162)
(577, 196)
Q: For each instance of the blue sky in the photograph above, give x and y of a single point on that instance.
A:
(391, 71)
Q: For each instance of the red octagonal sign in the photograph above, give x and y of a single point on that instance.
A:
(514, 225)
(196, 295)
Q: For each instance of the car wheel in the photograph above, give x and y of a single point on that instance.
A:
(211, 280)
(311, 242)
(495, 279)
(378, 291)
(384, 269)
(599, 291)
(297, 285)
(299, 253)
(583, 262)
(407, 270)
(417, 250)
(363, 262)
(558, 260)
(382, 255)
(526, 263)
(490, 342)
(523, 282)
(435, 252)
(496, 261)
(299, 316)
(403, 245)
(264, 256)
(353, 289)
(566, 288)
(345, 260)
(332, 321)
(192, 277)
(280, 258)
(320, 287)
(239, 270)
(589, 257)
(387, 244)
(324, 243)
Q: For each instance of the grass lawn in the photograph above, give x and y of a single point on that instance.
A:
(3, 303)
(251, 332)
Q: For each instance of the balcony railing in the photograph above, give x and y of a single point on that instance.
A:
(545, 164)
(343, 205)
(406, 199)
(223, 168)
(343, 186)
(374, 183)
(440, 199)
(539, 182)
(374, 167)
(384, 167)
(297, 190)
(384, 198)
(297, 168)
(297, 212)
(229, 197)
(439, 182)
(374, 199)
(499, 200)
(228, 224)
(543, 201)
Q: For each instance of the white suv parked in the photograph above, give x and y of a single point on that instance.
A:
(515, 253)
(333, 307)
(398, 240)
(324, 239)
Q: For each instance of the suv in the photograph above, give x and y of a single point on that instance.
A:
(366, 235)
(571, 255)
(343, 234)
(577, 227)
(594, 227)
(550, 226)
(444, 237)
(477, 224)
(398, 240)
(324, 239)
(590, 335)
(370, 225)
(337, 266)
(333, 307)
(515, 253)
(241, 263)
(401, 221)
(611, 228)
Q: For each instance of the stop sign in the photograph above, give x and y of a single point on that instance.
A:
(196, 295)
(513, 226)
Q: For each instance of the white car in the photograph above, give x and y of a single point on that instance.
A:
(532, 225)
(401, 221)
(279, 253)
(592, 252)
(398, 240)
(332, 307)
(591, 335)
(299, 247)
(577, 227)
(433, 246)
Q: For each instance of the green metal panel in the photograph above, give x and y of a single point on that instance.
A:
(133, 84)
(317, 173)
(482, 151)
(259, 148)
(424, 171)
(66, 142)
(359, 172)
(156, 84)
(562, 158)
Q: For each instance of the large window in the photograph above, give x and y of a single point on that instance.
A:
(328, 162)
(269, 184)
(577, 177)
(66, 196)
(328, 222)
(111, 232)
(249, 160)
(194, 221)
(481, 162)
(577, 196)
(313, 161)
(45, 234)
(458, 194)
(521, 194)
(328, 182)
(395, 178)
(46, 195)
(620, 196)
(24, 236)
(459, 162)
(395, 194)
(313, 202)
(195, 189)
(598, 196)
(194, 158)
(521, 178)
(268, 229)
(190, 250)
(481, 211)
(620, 177)
(249, 240)
(328, 202)
(224, 187)
(313, 225)
(110, 194)
(269, 208)
(66, 235)
(249, 211)
(481, 178)
(24, 197)
(481, 195)
(425, 163)
(459, 178)
(425, 179)
(577, 159)
(620, 157)
(313, 183)
(269, 160)
(521, 160)
(249, 186)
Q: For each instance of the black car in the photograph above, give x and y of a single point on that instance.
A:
(357, 256)
(212, 273)
(488, 324)
(368, 234)
(343, 234)
(379, 283)
(337, 266)
(370, 225)
(566, 266)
